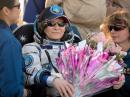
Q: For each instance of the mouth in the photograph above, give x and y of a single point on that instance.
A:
(114, 36)
(56, 32)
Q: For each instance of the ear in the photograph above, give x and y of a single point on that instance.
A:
(5, 10)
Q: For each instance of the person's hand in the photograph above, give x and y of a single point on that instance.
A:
(25, 93)
(64, 88)
(114, 48)
(118, 84)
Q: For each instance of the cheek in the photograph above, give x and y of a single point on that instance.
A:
(124, 37)
(48, 32)
(126, 34)
(63, 30)
(48, 29)
(16, 14)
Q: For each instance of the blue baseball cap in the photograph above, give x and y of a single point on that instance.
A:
(53, 12)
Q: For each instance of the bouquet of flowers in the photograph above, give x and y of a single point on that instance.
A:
(89, 69)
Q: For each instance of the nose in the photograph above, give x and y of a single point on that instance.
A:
(112, 31)
(56, 26)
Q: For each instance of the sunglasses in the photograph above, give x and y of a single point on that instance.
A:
(60, 24)
(18, 6)
(116, 27)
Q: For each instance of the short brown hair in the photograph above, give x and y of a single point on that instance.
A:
(7, 3)
(119, 17)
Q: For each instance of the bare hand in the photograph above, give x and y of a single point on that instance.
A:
(118, 84)
(64, 88)
(25, 93)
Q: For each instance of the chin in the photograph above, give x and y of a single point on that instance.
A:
(57, 37)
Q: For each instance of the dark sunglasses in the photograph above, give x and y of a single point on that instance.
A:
(116, 27)
(60, 24)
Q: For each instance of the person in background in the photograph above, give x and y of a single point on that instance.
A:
(86, 15)
(118, 25)
(50, 35)
(20, 20)
(11, 60)
(110, 27)
(32, 9)
(114, 5)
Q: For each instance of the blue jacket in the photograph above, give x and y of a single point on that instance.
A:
(11, 64)
(32, 10)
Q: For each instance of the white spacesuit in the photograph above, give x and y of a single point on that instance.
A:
(40, 56)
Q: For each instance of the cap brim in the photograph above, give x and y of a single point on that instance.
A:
(66, 20)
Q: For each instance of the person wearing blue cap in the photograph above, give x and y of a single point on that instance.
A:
(50, 35)
(86, 15)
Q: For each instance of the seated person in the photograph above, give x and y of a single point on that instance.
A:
(50, 34)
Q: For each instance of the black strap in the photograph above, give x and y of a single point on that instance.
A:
(49, 58)
(48, 55)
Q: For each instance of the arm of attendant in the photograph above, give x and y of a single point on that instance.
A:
(11, 70)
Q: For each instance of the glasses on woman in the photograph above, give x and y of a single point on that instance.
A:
(52, 24)
(116, 27)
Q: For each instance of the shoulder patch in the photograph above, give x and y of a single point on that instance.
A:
(28, 59)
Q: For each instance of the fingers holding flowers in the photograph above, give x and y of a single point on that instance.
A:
(65, 88)
(118, 84)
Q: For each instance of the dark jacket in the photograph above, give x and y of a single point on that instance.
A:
(32, 9)
(11, 64)
(125, 90)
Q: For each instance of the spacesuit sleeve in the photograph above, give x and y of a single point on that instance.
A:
(34, 70)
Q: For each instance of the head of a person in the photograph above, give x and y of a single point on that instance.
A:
(9, 10)
(52, 23)
(118, 25)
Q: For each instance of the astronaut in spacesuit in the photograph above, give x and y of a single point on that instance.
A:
(50, 35)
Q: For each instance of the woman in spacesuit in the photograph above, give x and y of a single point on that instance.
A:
(51, 33)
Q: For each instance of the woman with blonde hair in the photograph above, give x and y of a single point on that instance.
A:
(119, 28)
